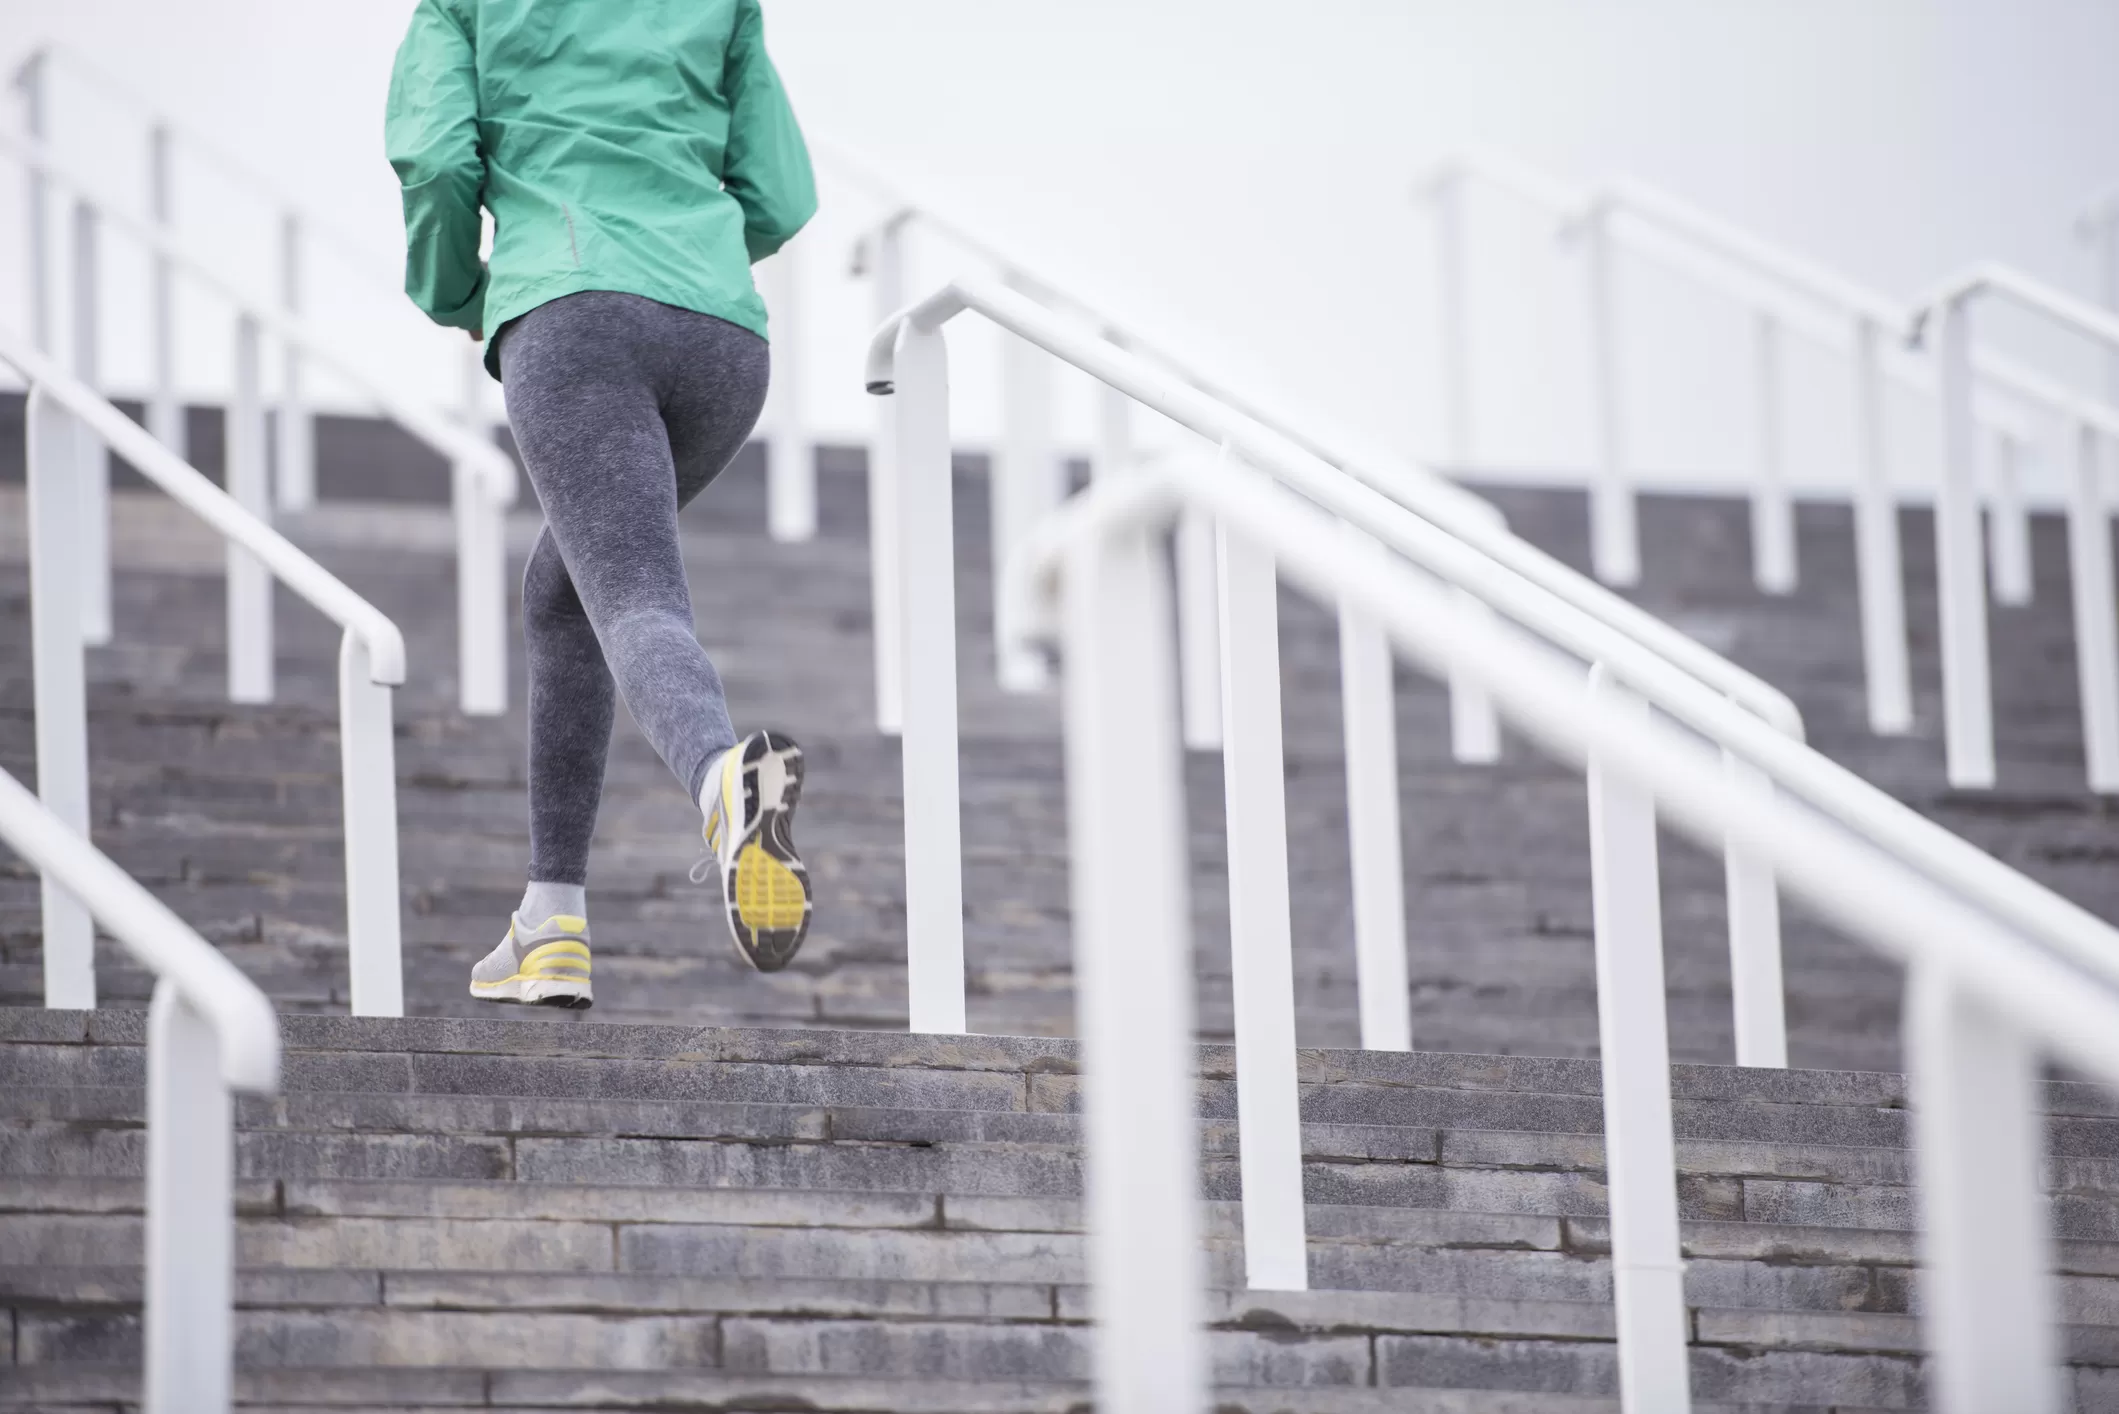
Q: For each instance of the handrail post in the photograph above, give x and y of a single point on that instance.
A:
(1024, 483)
(190, 1278)
(249, 582)
(165, 410)
(888, 272)
(1452, 300)
(2096, 625)
(481, 593)
(61, 693)
(790, 462)
(1879, 574)
(1261, 944)
(1474, 726)
(1614, 529)
(1773, 550)
(1115, 451)
(2106, 235)
(1369, 716)
(934, 859)
(1986, 1247)
(2009, 524)
(1757, 993)
(1133, 978)
(1198, 631)
(297, 428)
(37, 204)
(480, 512)
(1640, 1152)
(93, 468)
(1968, 708)
(368, 767)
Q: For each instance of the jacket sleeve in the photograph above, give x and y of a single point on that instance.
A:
(431, 133)
(767, 165)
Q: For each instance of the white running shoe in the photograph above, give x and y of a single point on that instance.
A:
(750, 831)
(543, 966)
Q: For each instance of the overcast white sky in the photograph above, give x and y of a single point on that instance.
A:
(1246, 168)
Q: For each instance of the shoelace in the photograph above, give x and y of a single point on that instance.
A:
(704, 869)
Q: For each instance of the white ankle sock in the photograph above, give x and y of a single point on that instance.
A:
(710, 786)
(542, 901)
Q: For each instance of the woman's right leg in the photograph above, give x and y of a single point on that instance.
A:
(572, 705)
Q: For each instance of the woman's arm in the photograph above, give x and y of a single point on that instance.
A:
(767, 166)
(431, 133)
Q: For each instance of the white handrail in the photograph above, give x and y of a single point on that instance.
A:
(1986, 999)
(486, 481)
(63, 415)
(907, 358)
(1795, 767)
(191, 489)
(1700, 238)
(1427, 494)
(1969, 730)
(210, 1031)
(1025, 483)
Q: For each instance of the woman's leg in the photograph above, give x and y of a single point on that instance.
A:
(571, 709)
(582, 380)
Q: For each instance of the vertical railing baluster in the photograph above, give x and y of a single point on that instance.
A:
(1198, 631)
(1773, 550)
(92, 458)
(296, 459)
(1879, 573)
(368, 766)
(2009, 524)
(934, 868)
(790, 460)
(32, 80)
(1368, 709)
(1023, 485)
(1987, 1299)
(887, 269)
(60, 689)
(249, 583)
(1757, 991)
(2089, 529)
(165, 408)
(1614, 527)
(190, 1278)
(1261, 945)
(1960, 567)
(1640, 1152)
(1133, 978)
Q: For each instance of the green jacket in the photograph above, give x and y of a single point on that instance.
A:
(644, 146)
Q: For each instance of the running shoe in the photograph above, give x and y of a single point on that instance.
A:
(543, 966)
(750, 834)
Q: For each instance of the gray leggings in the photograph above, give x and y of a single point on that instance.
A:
(624, 409)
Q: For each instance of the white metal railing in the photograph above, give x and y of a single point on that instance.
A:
(483, 480)
(1986, 1004)
(1968, 708)
(209, 1031)
(908, 359)
(1782, 289)
(65, 414)
(1027, 479)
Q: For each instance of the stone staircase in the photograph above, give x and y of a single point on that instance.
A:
(441, 1213)
(464, 1209)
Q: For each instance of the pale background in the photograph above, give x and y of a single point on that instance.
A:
(1240, 169)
